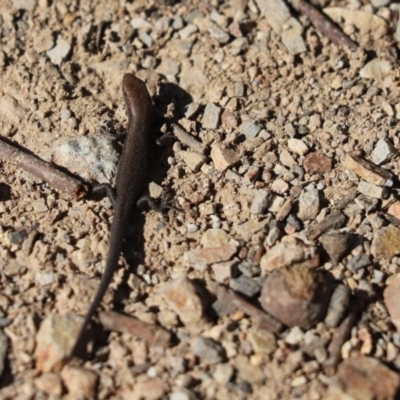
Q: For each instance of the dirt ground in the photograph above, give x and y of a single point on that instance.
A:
(283, 163)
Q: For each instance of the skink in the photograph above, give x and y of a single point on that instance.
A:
(129, 182)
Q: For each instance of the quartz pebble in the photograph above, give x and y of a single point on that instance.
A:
(383, 151)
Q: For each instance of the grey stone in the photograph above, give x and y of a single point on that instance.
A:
(309, 204)
(209, 351)
(250, 129)
(383, 151)
(244, 285)
(211, 116)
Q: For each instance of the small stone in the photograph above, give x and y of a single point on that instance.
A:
(188, 140)
(316, 163)
(380, 3)
(182, 394)
(376, 69)
(364, 378)
(215, 238)
(336, 244)
(309, 204)
(338, 306)
(50, 383)
(183, 298)
(80, 381)
(211, 116)
(223, 373)
(280, 186)
(298, 146)
(260, 202)
(188, 31)
(334, 221)
(248, 372)
(368, 189)
(193, 160)
(368, 171)
(224, 271)
(296, 296)
(391, 298)
(250, 129)
(223, 158)
(244, 285)
(59, 52)
(383, 151)
(286, 254)
(219, 34)
(262, 341)
(295, 336)
(54, 341)
(191, 110)
(359, 261)
(276, 203)
(394, 209)
(209, 351)
(386, 242)
(250, 228)
(284, 210)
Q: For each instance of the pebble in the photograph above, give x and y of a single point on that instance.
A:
(182, 297)
(376, 69)
(333, 221)
(386, 242)
(298, 146)
(368, 171)
(59, 52)
(209, 351)
(309, 204)
(54, 341)
(223, 158)
(182, 394)
(260, 202)
(336, 244)
(219, 34)
(211, 116)
(296, 296)
(91, 157)
(188, 140)
(338, 306)
(244, 285)
(365, 378)
(250, 129)
(223, 373)
(316, 163)
(391, 299)
(188, 31)
(262, 341)
(383, 151)
(368, 189)
(50, 383)
(295, 336)
(193, 160)
(359, 261)
(394, 210)
(80, 382)
(191, 111)
(224, 271)
(286, 254)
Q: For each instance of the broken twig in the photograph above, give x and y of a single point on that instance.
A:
(43, 170)
(324, 24)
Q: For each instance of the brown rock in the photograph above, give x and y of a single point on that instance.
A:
(394, 209)
(50, 383)
(285, 254)
(54, 341)
(391, 298)
(363, 378)
(80, 381)
(336, 244)
(183, 297)
(315, 163)
(296, 296)
(386, 242)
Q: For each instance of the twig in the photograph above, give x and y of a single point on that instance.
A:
(324, 24)
(43, 170)
(153, 334)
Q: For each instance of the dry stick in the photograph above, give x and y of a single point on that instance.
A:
(324, 24)
(43, 170)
